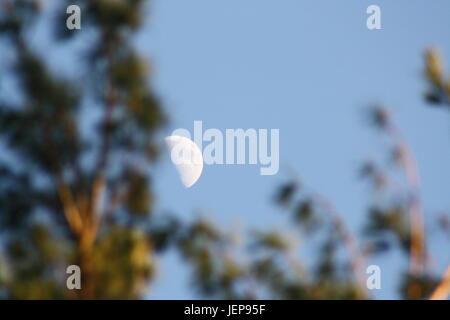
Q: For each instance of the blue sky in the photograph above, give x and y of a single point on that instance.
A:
(307, 68)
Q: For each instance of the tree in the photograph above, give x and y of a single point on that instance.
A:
(75, 185)
(68, 195)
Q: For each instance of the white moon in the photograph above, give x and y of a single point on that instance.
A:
(187, 158)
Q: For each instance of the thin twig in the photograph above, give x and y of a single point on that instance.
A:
(409, 163)
(355, 256)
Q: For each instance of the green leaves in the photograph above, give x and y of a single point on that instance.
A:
(43, 128)
(285, 193)
(31, 252)
(72, 170)
(113, 15)
(123, 263)
(270, 240)
(139, 198)
(389, 224)
(13, 20)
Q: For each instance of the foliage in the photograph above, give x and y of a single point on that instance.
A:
(68, 196)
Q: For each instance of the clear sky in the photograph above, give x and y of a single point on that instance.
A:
(307, 68)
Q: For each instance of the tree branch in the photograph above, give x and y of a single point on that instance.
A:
(442, 291)
(409, 164)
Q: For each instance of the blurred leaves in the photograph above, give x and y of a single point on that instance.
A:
(123, 264)
(139, 197)
(57, 170)
(391, 223)
(285, 193)
(271, 240)
(439, 82)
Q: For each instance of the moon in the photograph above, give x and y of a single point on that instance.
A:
(187, 158)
